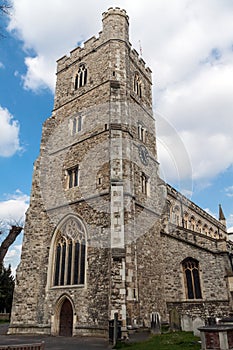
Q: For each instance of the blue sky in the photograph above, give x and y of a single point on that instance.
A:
(189, 47)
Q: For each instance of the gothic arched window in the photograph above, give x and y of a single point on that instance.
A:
(192, 278)
(137, 85)
(81, 77)
(70, 254)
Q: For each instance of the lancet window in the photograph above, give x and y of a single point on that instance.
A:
(145, 184)
(137, 85)
(76, 124)
(141, 132)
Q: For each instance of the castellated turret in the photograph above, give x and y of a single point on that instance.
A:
(115, 24)
(109, 57)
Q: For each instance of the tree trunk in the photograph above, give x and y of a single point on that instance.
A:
(10, 238)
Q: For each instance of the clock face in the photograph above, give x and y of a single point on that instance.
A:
(143, 154)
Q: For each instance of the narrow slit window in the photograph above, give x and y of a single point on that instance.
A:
(79, 123)
(144, 183)
(137, 85)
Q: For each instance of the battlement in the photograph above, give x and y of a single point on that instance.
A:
(198, 219)
(114, 28)
(115, 11)
(78, 52)
(141, 63)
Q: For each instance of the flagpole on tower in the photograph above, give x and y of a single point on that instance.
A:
(140, 47)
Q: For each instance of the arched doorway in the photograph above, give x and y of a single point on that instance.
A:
(66, 319)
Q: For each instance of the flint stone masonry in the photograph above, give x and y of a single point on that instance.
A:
(136, 235)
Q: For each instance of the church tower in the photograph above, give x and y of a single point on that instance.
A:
(96, 195)
(104, 235)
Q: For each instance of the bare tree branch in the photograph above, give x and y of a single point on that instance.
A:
(5, 11)
(5, 7)
(7, 242)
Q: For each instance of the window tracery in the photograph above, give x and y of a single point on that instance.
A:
(192, 278)
(70, 254)
(81, 77)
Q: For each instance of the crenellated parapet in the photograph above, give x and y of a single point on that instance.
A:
(183, 213)
(140, 64)
(115, 11)
(78, 53)
(121, 63)
(112, 30)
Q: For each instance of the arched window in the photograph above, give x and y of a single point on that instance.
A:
(144, 184)
(192, 223)
(76, 124)
(81, 77)
(185, 220)
(137, 85)
(205, 229)
(176, 219)
(199, 226)
(192, 278)
(69, 254)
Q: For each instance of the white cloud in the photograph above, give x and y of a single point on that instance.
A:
(188, 45)
(2, 65)
(229, 193)
(230, 223)
(9, 134)
(211, 213)
(13, 257)
(13, 208)
(39, 73)
(230, 219)
(12, 212)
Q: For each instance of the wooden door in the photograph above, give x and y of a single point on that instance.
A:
(66, 319)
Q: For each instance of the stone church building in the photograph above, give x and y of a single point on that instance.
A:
(104, 234)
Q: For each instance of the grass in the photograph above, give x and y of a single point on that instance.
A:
(4, 321)
(167, 341)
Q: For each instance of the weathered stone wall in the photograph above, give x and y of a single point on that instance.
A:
(136, 238)
(213, 266)
(182, 212)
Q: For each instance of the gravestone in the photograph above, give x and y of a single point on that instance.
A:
(174, 318)
(186, 323)
(197, 323)
(217, 337)
(155, 323)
